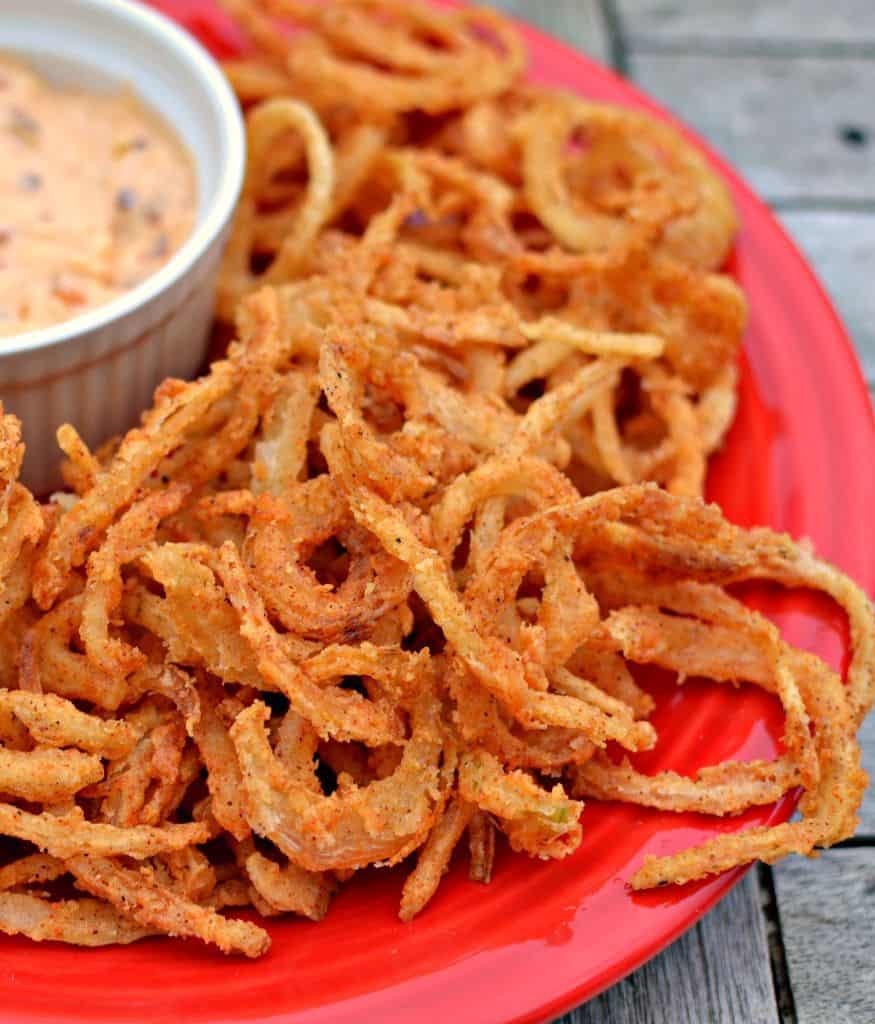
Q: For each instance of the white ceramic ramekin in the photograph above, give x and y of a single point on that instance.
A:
(98, 370)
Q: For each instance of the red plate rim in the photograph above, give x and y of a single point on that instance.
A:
(805, 423)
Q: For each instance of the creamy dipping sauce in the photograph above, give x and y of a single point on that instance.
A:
(96, 194)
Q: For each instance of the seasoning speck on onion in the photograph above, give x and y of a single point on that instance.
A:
(125, 199)
(30, 182)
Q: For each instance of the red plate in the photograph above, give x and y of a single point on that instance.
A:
(544, 937)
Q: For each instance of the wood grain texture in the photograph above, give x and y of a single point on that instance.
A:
(687, 21)
(577, 22)
(829, 933)
(718, 971)
(841, 248)
(778, 120)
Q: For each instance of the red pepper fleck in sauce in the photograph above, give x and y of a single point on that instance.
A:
(96, 194)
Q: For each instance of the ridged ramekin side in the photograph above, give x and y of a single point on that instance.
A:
(101, 381)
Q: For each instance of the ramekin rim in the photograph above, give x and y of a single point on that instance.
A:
(221, 205)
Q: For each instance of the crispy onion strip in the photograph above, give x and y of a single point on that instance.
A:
(674, 194)
(728, 788)
(193, 618)
(135, 893)
(540, 822)
(267, 123)
(79, 529)
(434, 858)
(334, 712)
(125, 541)
(36, 869)
(223, 773)
(68, 834)
(282, 535)
(56, 722)
(481, 842)
(50, 664)
(80, 922)
(829, 810)
(498, 667)
(383, 821)
(289, 888)
(477, 69)
(47, 776)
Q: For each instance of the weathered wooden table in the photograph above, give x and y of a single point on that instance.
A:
(786, 90)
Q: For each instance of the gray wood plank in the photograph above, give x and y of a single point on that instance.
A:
(829, 933)
(841, 247)
(718, 971)
(779, 120)
(577, 22)
(867, 811)
(842, 21)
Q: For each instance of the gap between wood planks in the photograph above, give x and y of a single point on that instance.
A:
(777, 954)
(821, 204)
(786, 996)
(616, 36)
(855, 843)
(728, 47)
